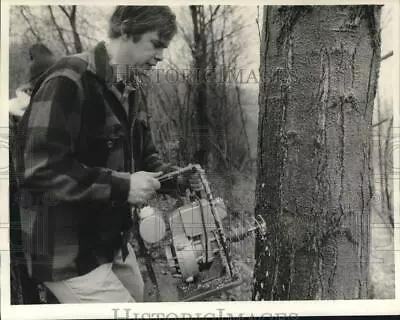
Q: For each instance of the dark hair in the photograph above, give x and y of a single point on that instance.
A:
(137, 20)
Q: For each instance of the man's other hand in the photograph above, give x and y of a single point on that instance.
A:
(143, 186)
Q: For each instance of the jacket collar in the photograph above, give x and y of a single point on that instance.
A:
(99, 63)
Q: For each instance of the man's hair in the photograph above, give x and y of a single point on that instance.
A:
(137, 20)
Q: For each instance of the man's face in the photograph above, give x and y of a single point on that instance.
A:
(145, 53)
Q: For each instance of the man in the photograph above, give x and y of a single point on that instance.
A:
(89, 158)
(42, 59)
(23, 289)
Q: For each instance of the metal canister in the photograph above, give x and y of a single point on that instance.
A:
(152, 227)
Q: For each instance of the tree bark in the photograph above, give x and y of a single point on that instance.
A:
(320, 66)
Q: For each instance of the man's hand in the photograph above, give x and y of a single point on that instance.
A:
(143, 185)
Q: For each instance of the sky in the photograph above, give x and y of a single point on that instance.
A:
(251, 34)
(386, 71)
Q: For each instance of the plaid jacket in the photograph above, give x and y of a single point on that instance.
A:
(80, 143)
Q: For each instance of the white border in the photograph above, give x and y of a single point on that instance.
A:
(214, 309)
(396, 153)
(185, 3)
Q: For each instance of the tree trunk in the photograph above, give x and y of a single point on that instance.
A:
(320, 66)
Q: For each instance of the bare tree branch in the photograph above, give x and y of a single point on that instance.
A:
(213, 15)
(220, 151)
(242, 118)
(75, 33)
(185, 36)
(258, 22)
(82, 35)
(379, 123)
(231, 34)
(31, 29)
(72, 20)
(387, 55)
(59, 30)
(163, 103)
(73, 12)
(65, 11)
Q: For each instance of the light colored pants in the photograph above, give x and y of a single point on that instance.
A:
(111, 282)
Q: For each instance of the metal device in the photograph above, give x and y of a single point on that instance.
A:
(197, 249)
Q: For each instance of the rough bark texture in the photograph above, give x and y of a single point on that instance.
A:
(320, 66)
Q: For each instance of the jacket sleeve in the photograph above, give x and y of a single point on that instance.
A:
(51, 134)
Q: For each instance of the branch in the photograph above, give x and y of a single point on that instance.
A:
(164, 104)
(387, 55)
(185, 36)
(178, 99)
(212, 15)
(220, 151)
(72, 21)
(63, 9)
(29, 25)
(258, 22)
(379, 123)
(59, 30)
(82, 35)
(75, 33)
(232, 33)
(73, 12)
